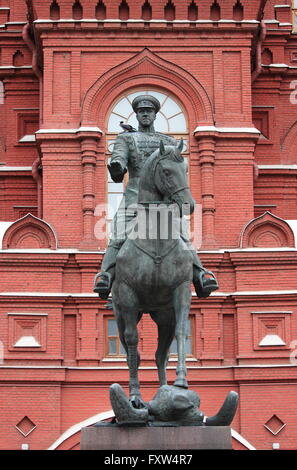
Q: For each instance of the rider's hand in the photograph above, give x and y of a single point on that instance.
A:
(116, 171)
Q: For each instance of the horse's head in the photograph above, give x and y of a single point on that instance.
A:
(171, 177)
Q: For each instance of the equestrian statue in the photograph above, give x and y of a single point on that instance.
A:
(148, 272)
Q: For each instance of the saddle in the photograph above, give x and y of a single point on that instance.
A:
(204, 282)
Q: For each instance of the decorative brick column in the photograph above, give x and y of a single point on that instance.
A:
(206, 146)
(89, 142)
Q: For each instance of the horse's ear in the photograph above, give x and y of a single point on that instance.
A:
(180, 144)
(162, 148)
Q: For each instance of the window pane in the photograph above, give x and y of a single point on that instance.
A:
(110, 145)
(115, 187)
(173, 347)
(114, 123)
(161, 123)
(112, 346)
(160, 96)
(122, 107)
(177, 124)
(170, 108)
(112, 328)
(188, 346)
(133, 121)
(113, 204)
(122, 349)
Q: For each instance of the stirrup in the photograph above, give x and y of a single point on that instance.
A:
(102, 284)
(205, 283)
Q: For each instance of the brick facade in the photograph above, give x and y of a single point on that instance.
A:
(64, 64)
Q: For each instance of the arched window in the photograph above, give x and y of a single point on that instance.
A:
(170, 120)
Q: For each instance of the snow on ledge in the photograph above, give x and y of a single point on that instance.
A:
(139, 20)
(249, 130)
(70, 131)
(277, 167)
(28, 138)
(15, 168)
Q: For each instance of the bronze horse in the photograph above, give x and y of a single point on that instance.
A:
(154, 274)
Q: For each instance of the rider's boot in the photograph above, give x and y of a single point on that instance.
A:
(204, 281)
(102, 284)
(104, 279)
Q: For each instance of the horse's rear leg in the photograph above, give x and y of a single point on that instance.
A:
(166, 333)
(182, 302)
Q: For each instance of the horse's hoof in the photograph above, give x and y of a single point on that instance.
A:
(136, 402)
(181, 383)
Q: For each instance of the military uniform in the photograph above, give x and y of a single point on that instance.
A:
(131, 150)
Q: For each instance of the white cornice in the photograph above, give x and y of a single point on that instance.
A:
(245, 130)
(70, 131)
(117, 20)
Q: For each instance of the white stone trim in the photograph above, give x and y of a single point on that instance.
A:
(94, 295)
(117, 20)
(70, 131)
(27, 342)
(256, 292)
(249, 130)
(241, 439)
(272, 340)
(98, 368)
(28, 314)
(28, 138)
(48, 250)
(15, 168)
(13, 67)
(277, 167)
(74, 250)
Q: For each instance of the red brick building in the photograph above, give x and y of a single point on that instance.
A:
(226, 74)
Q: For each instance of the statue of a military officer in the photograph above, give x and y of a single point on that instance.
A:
(130, 152)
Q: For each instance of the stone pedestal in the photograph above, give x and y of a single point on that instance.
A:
(155, 438)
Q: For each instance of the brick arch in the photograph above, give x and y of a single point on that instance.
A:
(289, 145)
(29, 232)
(267, 231)
(146, 69)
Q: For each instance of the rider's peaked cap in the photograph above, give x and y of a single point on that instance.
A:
(146, 101)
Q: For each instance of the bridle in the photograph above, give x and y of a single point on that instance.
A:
(154, 169)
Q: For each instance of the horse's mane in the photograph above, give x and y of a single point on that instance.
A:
(148, 169)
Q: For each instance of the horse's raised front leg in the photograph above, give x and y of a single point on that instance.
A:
(127, 319)
(166, 332)
(182, 303)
